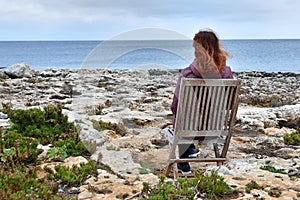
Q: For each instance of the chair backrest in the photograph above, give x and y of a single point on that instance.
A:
(206, 107)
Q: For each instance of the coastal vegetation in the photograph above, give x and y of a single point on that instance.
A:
(252, 185)
(292, 138)
(273, 169)
(208, 185)
(20, 158)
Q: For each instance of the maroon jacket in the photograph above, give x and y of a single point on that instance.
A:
(193, 72)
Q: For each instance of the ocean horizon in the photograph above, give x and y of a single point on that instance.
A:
(272, 55)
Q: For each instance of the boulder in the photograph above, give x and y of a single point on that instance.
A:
(3, 75)
(19, 70)
(284, 116)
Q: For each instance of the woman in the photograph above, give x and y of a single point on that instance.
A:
(209, 62)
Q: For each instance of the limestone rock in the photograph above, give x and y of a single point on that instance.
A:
(269, 117)
(3, 75)
(19, 70)
(3, 116)
(50, 73)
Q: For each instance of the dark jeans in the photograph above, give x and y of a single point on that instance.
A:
(183, 150)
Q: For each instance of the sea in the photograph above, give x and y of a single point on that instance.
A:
(273, 55)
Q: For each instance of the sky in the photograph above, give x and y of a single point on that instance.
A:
(105, 19)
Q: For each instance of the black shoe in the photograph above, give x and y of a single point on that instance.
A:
(184, 168)
(193, 152)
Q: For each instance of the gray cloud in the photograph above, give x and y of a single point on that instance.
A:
(186, 16)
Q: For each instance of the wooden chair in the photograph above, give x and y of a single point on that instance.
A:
(206, 110)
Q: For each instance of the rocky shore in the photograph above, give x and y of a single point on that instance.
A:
(139, 103)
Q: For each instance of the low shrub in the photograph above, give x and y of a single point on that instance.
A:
(209, 185)
(17, 149)
(293, 138)
(252, 185)
(57, 153)
(22, 183)
(273, 169)
(117, 128)
(72, 176)
(47, 126)
(19, 154)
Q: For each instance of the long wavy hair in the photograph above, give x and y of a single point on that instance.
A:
(210, 42)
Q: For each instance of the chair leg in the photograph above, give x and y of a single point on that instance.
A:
(175, 171)
(216, 149)
(217, 153)
(168, 169)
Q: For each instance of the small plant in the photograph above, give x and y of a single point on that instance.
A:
(7, 156)
(273, 169)
(213, 185)
(57, 153)
(72, 176)
(6, 108)
(101, 126)
(210, 185)
(112, 148)
(73, 147)
(18, 149)
(293, 138)
(252, 185)
(98, 109)
(298, 195)
(275, 192)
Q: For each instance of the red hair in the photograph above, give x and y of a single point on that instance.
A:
(210, 42)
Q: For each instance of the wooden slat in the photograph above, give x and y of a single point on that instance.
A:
(197, 101)
(192, 102)
(191, 133)
(197, 107)
(182, 102)
(201, 117)
(214, 108)
(206, 113)
(210, 108)
(207, 140)
(220, 109)
(224, 110)
(188, 107)
(210, 82)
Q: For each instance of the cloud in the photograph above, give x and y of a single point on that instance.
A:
(119, 15)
